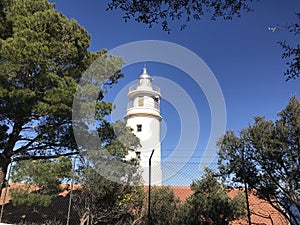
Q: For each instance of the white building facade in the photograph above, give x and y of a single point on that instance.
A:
(143, 116)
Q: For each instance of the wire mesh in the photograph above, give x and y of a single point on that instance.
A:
(62, 208)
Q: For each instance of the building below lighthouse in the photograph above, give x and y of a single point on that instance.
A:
(143, 116)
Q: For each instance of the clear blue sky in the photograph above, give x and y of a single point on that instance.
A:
(243, 55)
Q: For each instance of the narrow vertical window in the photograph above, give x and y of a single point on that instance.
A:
(141, 101)
(139, 127)
(138, 155)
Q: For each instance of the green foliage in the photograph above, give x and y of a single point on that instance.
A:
(103, 200)
(26, 198)
(43, 55)
(107, 202)
(164, 206)
(210, 204)
(163, 12)
(5, 24)
(292, 52)
(118, 138)
(151, 12)
(41, 178)
(266, 156)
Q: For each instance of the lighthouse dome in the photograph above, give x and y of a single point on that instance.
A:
(145, 78)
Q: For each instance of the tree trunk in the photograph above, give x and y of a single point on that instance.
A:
(4, 162)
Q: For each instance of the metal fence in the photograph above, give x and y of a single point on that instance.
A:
(61, 210)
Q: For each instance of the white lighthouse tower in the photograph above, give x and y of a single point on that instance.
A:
(143, 116)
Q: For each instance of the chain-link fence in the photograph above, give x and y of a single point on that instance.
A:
(39, 192)
(63, 207)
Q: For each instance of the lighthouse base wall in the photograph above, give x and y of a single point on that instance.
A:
(147, 129)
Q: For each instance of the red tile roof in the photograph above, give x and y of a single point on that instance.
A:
(262, 213)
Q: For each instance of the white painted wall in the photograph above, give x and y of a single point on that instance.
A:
(149, 139)
(144, 110)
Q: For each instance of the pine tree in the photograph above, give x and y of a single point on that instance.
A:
(266, 156)
(43, 55)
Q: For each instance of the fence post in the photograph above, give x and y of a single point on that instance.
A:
(5, 193)
(149, 191)
(246, 187)
(71, 191)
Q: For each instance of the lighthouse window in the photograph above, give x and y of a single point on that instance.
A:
(141, 101)
(139, 127)
(138, 155)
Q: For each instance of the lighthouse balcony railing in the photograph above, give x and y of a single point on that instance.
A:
(134, 87)
(154, 105)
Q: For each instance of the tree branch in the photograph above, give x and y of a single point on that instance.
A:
(26, 146)
(13, 138)
(37, 157)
